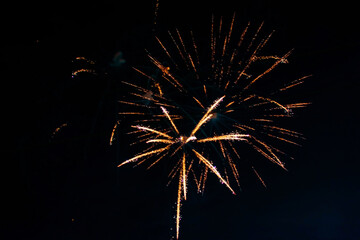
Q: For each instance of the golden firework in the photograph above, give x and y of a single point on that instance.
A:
(237, 114)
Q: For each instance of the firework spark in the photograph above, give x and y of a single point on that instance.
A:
(173, 144)
(156, 12)
(58, 129)
(190, 136)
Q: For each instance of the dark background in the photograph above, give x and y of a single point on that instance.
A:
(70, 188)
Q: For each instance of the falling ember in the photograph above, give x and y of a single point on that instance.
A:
(113, 132)
(257, 174)
(178, 205)
(83, 70)
(58, 129)
(215, 107)
(156, 12)
(183, 176)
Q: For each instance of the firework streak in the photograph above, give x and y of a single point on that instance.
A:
(199, 111)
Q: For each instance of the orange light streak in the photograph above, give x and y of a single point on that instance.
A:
(228, 137)
(143, 155)
(151, 130)
(169, 118)
(213, 169)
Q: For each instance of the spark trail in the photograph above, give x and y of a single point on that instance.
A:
(172, 143)
(171, 115)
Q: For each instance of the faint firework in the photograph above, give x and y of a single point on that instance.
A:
(118, 60)
(83, 65)
(156, 13)
(203, 107)
(112, 137)
(58, 129)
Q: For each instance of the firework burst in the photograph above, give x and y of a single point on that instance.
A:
(201, 106)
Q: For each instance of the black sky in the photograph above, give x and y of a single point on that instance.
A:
(71, 189)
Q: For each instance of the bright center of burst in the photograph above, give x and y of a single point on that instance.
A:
(184, 139)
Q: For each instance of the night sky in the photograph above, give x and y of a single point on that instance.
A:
(68, 186)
